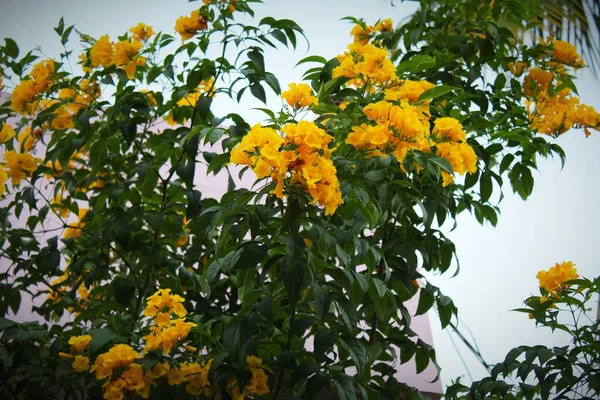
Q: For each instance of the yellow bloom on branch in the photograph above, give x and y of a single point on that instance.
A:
(20, 165)
(188, 26)
(299, 95)
(23, 94)
(565, 53)
(554, 279)
(80, 343)
(3, 179)
(120, 355)
(101, 53)
(142, 32)
(6, 133)
(163, 302)
(81, 363)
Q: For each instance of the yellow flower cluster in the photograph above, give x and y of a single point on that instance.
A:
(455, 149)
(188, 26)
(555, 111)
(302, 153)
(363, 33)
(167, 332)
(142, 32)
(39, 81)
(554, 279)
(123, 375)
(20, 165)
(565, 53)
(78, 344)
(299, 96)
(258, 383)
(194, 375)
(399, 123)
(162, 304)
(365, 65)
(124, 54)
(401, 128)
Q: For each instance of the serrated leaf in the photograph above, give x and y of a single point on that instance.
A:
(356, 350)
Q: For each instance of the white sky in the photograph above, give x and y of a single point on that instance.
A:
(498, 265)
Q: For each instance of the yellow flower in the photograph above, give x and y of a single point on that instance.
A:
(142, 32)
(62, 119)
(518, 68)
(365, 64)
(26, 139)
(299, 96)
(537, 82)
(160, 370)
(385, 25)
(565, 53)
(125, 52)
(188, 26)
(196, 376)
(554, 278)
(66, 356)
(461, 157)
(85, 64)
(81, 363)
(23, 94)
(6, 133)
(20, 165)
(447, 128)
(120, 355)
(362, 34)
(3, 179)
(41, 74)
(101, 53)
(74, 231)
(257, 384)
(80, 343)
(167, 336)
(164, 302)
(409, 90)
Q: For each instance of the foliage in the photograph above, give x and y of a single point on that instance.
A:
(356, 176)
(562, 372)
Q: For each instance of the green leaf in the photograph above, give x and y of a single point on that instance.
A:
(101, 337)
(315, 59)
(438, 91)
(356, 350)
(485, 187)
(259, 92)
(426, 300)
(11, 49)
(124, 290)
(416, 63)
(324, 339)
(344, 386)
(98, 153)
(371, 213)
(421, 360)
(322, 302)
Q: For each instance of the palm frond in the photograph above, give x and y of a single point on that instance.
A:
(577, 22)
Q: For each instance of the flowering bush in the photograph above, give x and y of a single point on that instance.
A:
(172, 293)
